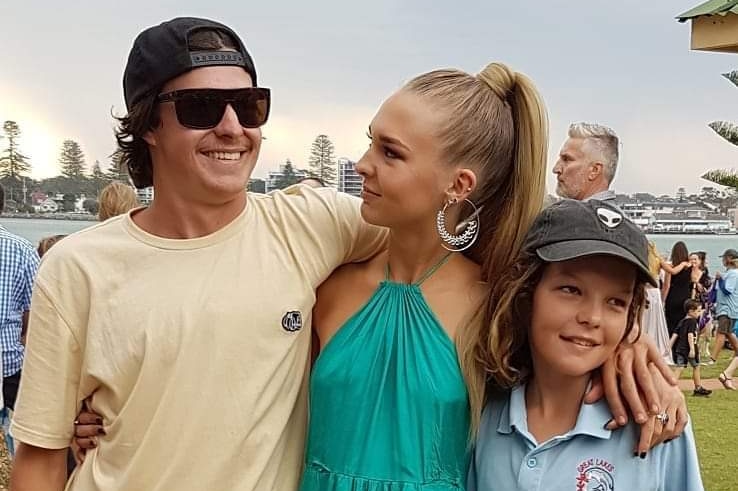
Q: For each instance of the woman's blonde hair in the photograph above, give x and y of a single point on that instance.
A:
(506, 352)
(496, 124)
(115, 199)
(654, 260)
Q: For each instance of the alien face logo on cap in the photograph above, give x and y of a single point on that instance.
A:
(609, 217)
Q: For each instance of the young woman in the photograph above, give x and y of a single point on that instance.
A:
(701, 283)
(677, 286)
(653, 322)
(572, 297)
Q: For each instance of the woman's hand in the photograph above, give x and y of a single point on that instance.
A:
(87, 427)
(669, 423)
(638, 376)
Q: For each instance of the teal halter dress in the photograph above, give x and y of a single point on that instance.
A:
(389, 409)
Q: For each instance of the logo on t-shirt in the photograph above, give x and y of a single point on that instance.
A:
(595, 475)
(292, 321)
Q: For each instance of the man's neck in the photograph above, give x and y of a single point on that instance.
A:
(178, 219)
(593, 191)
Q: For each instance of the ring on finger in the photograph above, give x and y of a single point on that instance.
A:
(663, 418)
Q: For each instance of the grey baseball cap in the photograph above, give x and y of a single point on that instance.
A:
(570, 229)
(730, 254)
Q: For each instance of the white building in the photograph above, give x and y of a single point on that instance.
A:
(47, 206)
(349, 181)
(145, 196)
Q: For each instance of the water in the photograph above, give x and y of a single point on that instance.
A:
(35, 229)
(713, 245)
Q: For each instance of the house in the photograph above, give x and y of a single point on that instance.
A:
(47, 206)
(714, 26)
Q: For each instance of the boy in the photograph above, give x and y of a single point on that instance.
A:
(684, 345)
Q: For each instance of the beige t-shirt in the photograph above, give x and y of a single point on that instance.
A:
(195, 351)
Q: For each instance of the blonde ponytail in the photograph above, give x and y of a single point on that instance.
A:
(496, 125)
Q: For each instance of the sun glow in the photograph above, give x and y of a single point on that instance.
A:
(39, 140)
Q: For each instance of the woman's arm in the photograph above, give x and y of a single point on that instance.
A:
(665, 287)
(674, 269)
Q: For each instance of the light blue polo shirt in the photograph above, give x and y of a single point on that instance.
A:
(728, 304)
(587, 458)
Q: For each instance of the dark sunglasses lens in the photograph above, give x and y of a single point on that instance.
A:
(252, 108)
(199, 112)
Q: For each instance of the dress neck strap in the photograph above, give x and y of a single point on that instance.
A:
(429, 272)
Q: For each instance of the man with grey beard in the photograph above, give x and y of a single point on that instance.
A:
(587, 163)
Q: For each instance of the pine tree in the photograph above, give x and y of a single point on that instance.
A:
(322, 161)
(116, 170)
(729, 131)
(288, 177)
(72, 160)
(98, 179)
(97, 172)
(13, 164)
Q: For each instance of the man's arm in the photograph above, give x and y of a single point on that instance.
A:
(38, 469)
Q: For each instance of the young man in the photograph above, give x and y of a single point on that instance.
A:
(684, 345)
(187, 322)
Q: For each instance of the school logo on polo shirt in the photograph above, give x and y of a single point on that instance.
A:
(292, 321)
(595, 475)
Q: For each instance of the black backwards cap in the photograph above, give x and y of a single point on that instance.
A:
(161, 53)
(570, 229)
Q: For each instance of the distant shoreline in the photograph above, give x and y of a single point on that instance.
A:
(72, 217)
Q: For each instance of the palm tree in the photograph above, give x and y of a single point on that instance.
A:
(729, 131)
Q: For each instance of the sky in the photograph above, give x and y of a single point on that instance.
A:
(330, 64)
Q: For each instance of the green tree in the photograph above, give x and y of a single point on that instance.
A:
(98, 178)
(288, 176)
(69, 200)
(91, 206)
(322, 161)
(14, 165)
(97, 172)
(257, 186)
(116, 170)
(72, 160)
(729, 132)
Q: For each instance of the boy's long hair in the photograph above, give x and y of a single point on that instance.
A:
(504, 351)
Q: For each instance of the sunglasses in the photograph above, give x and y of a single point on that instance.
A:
(202, 109)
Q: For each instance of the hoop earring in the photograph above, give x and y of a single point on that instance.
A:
(464, 240)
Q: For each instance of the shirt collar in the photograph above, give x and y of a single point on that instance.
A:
(602, 196)
(591, 420)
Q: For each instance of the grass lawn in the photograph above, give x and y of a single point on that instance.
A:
(713, 420)
(711, 371)
(715, 429)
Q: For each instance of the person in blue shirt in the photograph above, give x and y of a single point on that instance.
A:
(570, 300)
(18, 265)
(726, 309)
